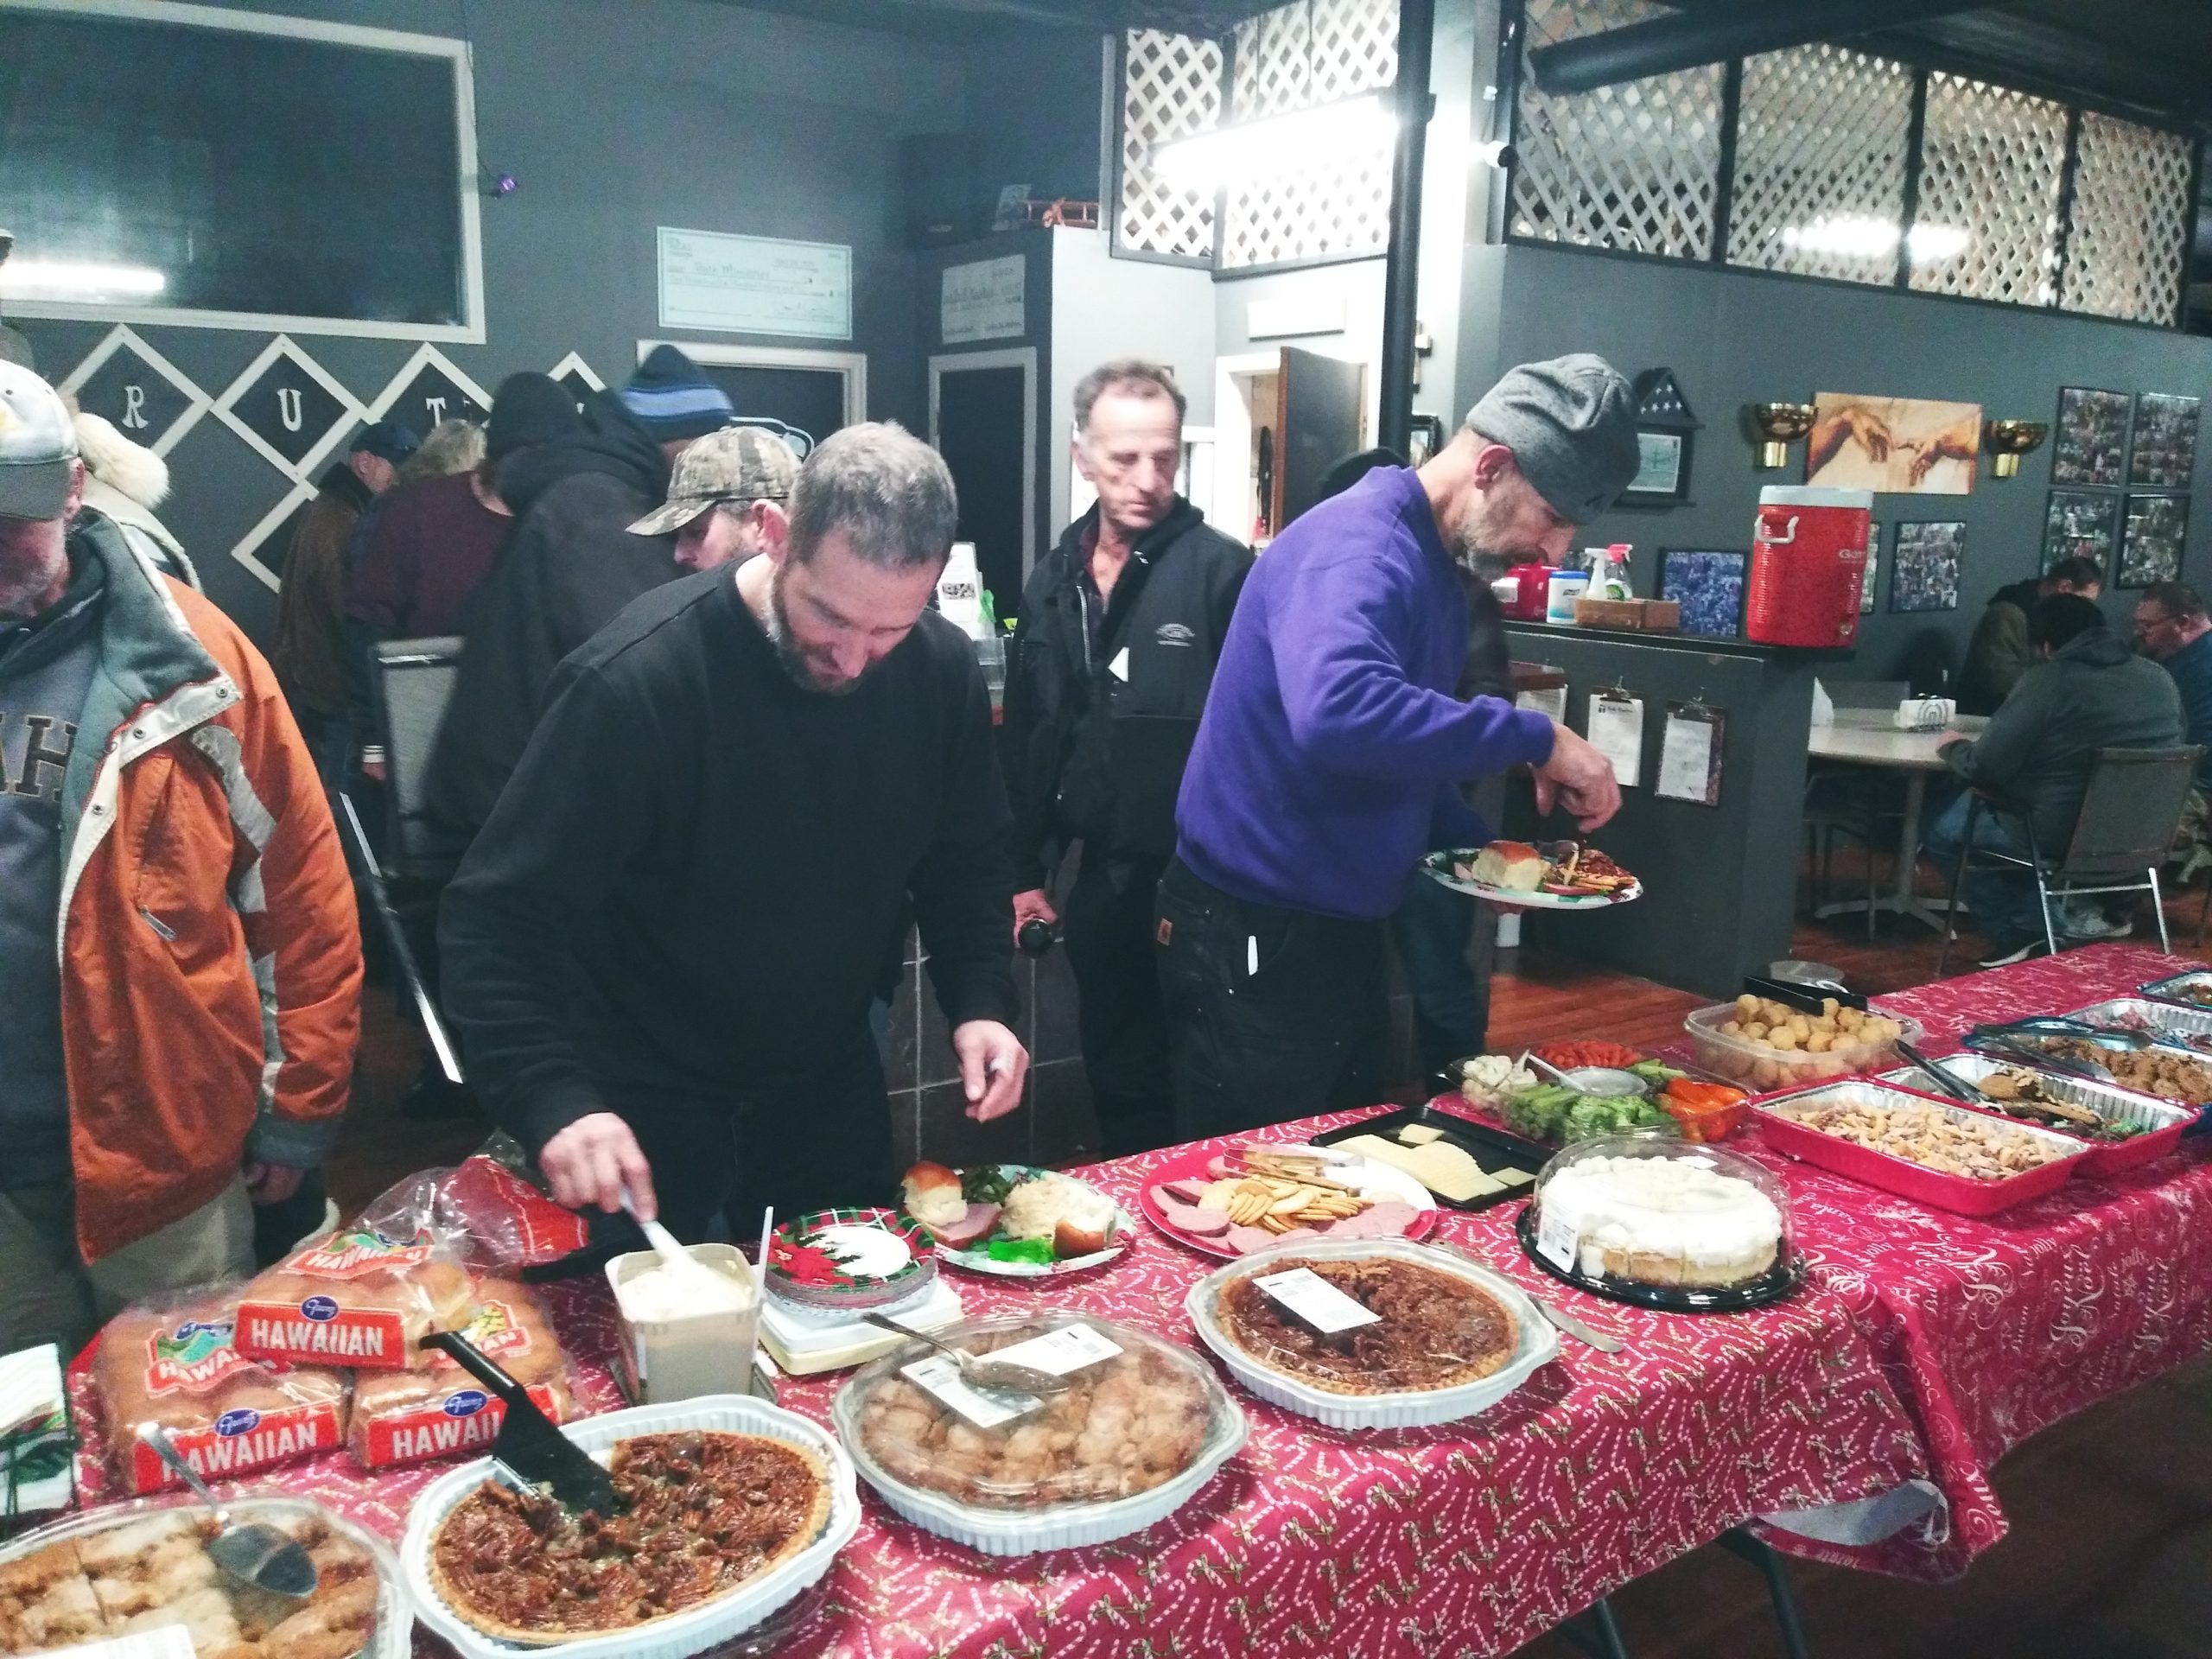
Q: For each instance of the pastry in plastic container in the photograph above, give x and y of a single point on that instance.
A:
(1770, 1046)
(435, 1409)
(1642, 1211)
(1380, 1333)
(173, 1361)
(128, 1568)
(1143, 1428)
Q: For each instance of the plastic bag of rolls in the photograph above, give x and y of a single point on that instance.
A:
(366, 1294)
(174, 1362)
(435, 1407)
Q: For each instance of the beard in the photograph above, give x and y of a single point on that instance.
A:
(789, 653)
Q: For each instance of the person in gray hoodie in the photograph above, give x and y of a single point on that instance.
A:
(2089, 692)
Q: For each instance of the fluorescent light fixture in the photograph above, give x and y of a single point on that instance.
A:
(77, 279)
(1862, 236)
(1300, 142)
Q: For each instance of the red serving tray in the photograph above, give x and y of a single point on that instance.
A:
(1194, 1167)
(1961, 1194)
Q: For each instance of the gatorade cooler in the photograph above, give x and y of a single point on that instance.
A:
(1523, 591)
(1809, 561)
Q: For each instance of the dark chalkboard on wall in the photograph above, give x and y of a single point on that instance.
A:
(151, 168)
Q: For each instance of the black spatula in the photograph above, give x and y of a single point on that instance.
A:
(537, 1452)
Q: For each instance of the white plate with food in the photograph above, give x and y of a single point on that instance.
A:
(1556, 875)
(1014, 1220)
(1258, 1194)
(147, 1558)
(491, 1599)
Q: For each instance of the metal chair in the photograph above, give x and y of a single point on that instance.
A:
(414, 679)
(2129, 815)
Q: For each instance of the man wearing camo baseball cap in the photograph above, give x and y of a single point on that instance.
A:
(726, 498)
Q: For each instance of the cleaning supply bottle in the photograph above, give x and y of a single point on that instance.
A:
(960, 591)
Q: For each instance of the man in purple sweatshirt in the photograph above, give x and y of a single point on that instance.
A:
(1330, 755)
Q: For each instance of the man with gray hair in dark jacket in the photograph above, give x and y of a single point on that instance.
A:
(1122, 624)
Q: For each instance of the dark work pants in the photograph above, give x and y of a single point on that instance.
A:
(1272, 1013)
(1434, 929)
(1107, 922)
(807, 1143)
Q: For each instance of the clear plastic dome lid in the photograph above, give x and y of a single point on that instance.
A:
(1648, 1210)
(1140, 1412)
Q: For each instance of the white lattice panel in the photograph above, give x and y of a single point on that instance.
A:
(1991, 162)
(1313, 52)
(2127, 247)
(1821, 137)
(1171, 89)
(1633, 166)
(1294, 57)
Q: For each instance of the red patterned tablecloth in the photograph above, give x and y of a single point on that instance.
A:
(1466, 1540)
(1992, 1330)
(1923, 1346)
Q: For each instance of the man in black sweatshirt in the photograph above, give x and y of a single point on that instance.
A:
(661, 949)
(1122, 624)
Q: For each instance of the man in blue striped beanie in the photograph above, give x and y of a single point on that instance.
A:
(568, 566)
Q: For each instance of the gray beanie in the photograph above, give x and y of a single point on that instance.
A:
(1571, 425)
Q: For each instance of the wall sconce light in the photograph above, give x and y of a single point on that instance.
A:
(1778, 426)
(2009, 440)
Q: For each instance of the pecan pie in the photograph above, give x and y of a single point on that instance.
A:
(699, 1514)
(1436, 1330)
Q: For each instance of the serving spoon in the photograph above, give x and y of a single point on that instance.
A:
(979, 1370)
(252, 1551)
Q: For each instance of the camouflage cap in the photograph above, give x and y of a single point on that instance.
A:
(730, 468)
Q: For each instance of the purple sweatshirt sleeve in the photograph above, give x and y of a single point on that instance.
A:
(1350, 704)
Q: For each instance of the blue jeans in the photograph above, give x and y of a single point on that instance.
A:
(2004, 901)
(1433, 929)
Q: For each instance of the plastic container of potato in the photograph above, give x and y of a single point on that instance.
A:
(1763, 1070)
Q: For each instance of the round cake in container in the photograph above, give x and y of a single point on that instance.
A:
(1142, 1429)
(1663, 1222)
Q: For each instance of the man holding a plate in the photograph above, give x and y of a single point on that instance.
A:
(1331, 750)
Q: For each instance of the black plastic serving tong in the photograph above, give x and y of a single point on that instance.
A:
(1944, 1078)
(529, 1444)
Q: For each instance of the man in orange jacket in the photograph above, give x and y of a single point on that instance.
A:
(179, 962)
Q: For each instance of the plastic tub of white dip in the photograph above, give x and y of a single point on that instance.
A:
(678, 1343)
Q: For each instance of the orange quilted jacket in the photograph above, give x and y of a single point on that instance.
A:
(210, 949)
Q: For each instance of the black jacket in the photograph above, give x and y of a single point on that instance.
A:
(1097, 755)
(1999, 652)
(685, 891)
(568, 566)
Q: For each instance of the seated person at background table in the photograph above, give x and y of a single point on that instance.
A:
(1443, 939)
(1121, 626)
(1999, 652)
(2172, 629)
(180, 965)
(661, 950)
(1332, 751)
(2088, 693)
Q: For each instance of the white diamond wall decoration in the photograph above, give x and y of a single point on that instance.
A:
(289, 409)
(147, 397)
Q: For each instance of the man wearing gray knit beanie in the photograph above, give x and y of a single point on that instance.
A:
(1332, 746)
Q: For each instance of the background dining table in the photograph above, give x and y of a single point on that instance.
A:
(1870, 737)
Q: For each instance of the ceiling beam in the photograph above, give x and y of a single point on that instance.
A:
(2060, 57)
(1712, 33)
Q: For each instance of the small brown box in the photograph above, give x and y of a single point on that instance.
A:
(1609, 612)
(1661, 615)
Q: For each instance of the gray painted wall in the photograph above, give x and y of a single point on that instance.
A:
(616, 119)
(1734, 338)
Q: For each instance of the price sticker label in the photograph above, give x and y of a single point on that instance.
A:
(1556, 1241)
(1059, 1352)
(1313, 1301)
(939, 1377)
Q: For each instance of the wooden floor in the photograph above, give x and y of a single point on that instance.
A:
(2110, 1555)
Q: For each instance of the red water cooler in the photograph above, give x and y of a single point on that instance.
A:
(1808, 562)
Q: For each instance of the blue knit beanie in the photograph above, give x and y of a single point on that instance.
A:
(673, 399)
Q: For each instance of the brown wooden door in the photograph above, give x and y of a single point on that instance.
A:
(1319, 421)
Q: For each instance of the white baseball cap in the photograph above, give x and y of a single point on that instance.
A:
(38, 442)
